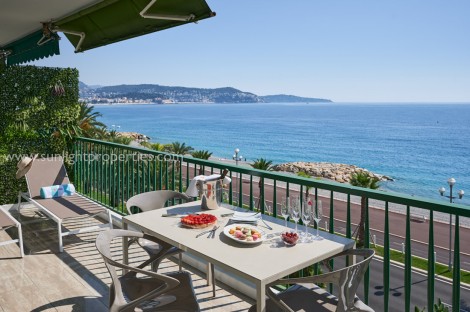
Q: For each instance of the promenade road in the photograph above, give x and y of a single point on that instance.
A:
(397, 224)
(397, 221)
(419, 235)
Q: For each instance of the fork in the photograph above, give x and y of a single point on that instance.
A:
(205, 232)
(212, 233)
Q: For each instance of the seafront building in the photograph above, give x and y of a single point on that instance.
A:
(66, 272)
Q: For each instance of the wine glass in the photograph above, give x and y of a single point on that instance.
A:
(295, 211)
(307, 214)
(285, 209)
(225, 195)
(268, 210)
(317, 216)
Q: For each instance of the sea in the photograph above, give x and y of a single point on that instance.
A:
(419, 145)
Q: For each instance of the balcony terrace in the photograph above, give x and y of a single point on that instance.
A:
(111, 173)
(77, 279)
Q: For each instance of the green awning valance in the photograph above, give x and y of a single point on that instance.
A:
(27, 49)
(112, 21)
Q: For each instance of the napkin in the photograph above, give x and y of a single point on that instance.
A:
(245, 217)
(192, 189)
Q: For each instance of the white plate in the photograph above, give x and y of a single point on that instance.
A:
(232, 226)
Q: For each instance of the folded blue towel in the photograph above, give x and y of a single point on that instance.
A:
(57, 191)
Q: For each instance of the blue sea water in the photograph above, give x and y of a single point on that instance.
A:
(419, 145)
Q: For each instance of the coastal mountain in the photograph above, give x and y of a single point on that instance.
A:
(154, 93)
(284, 98)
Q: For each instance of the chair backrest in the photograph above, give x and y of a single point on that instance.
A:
(103, 244)
(348, 279)
(153, 200)
(118, 300)
(45, 172)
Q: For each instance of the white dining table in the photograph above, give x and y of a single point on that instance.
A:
(260, 263)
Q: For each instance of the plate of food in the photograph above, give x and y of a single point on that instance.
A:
(244, 233)
(198, 221)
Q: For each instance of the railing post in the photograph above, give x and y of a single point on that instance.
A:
(456, 272)
(386, 271)
(408, 262)
(431, 262)
(240, 190)
(275, 199)
(332, 230)
(366, 245)
(348, 217)
(251, 193)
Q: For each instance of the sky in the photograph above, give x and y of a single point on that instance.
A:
(346, 51)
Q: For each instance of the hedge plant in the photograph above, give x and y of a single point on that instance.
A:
(32, 115)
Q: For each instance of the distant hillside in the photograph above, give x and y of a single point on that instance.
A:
(153, 93)
(284, 98)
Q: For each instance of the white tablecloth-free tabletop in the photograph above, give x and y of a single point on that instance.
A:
(260, 263)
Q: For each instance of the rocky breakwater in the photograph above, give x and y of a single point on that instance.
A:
(332, 171)
(135, 136)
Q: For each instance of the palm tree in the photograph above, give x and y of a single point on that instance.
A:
(159, 147)
(363, 179)
(119, 140)
(87, 119)
(262, 164)
(100, 133)
(178, 148)
(202, 154)
(303, 174)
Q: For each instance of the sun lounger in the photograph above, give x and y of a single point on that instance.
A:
(6, 222)
(51, 171)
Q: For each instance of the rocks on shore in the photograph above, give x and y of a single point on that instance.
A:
(134, 136)
(336, 172)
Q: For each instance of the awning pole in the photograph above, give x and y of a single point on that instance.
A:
(183, 18)
(81, 34)
(3, 59)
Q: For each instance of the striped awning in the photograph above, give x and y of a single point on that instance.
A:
(27, 48)
(116, 20)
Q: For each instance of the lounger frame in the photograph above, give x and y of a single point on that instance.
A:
(59, 221)
(19, 240)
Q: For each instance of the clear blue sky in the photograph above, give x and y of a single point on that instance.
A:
(362, 50)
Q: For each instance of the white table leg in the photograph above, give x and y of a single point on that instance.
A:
(260, 297)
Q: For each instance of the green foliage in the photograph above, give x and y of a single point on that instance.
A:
(118, 139)
(178, 148)
(363, 179)
(203, 154)
(262, 164)
(438, 307)
(33, 118)
(87, 120)
(159, 147)
(303, 174)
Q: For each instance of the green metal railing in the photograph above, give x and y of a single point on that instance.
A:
(111, 173)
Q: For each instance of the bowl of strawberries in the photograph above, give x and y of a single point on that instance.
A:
(290, 238)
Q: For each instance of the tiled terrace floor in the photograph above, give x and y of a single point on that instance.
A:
(77, 280)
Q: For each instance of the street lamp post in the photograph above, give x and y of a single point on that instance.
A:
(237, 158)
(442, 190)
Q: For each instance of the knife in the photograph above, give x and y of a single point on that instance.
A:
(178, 215)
